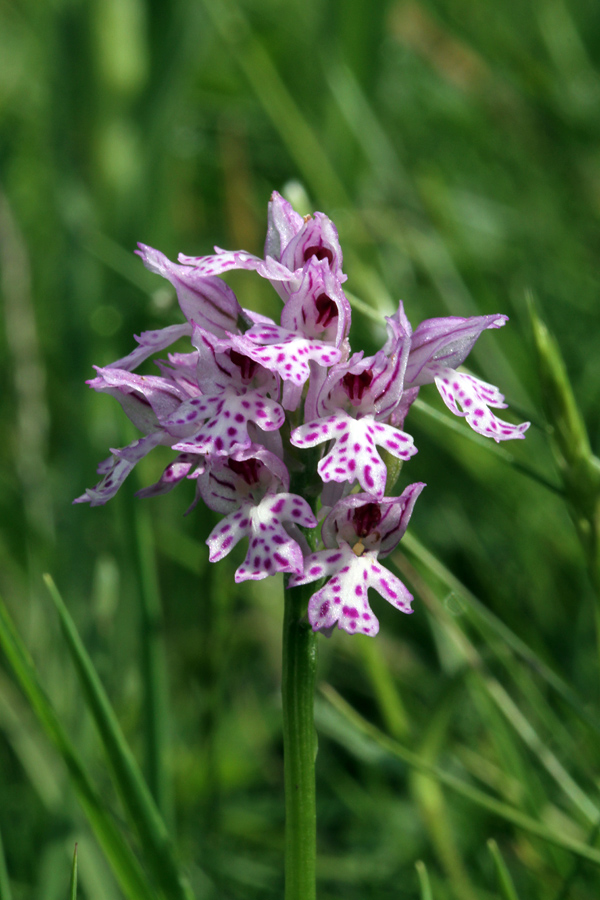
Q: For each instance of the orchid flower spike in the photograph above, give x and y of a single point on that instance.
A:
(274, 421)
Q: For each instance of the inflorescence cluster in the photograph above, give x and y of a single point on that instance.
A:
(255, 405)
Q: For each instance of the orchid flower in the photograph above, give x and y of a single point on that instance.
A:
(357, 531)
(274, 421)
(437, 348)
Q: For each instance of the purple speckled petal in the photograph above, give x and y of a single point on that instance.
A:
(116, 468)
(475, 397)
(343, 600)
(284, 352)
(290, 508)
(176, 470)
(354, 456)
(190, 415)
(227, 260)
(230, 414)
(208, 301)
(151, 342)
(323, 563)
(229, 532)
(271, 549)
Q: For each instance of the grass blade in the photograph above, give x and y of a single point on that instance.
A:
(73, 889)
(5, 893)
(501, 453)
(299, 137)
(486, 622)
(154, 668)
(497, 807)
(134, 792)
(505, 882)
(521, 724)
(424, 884)
(118, 853)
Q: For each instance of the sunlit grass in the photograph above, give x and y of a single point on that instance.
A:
(456, 148)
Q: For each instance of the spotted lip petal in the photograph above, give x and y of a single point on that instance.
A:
(271, 549)
(228, 413)
(284, 352)
(354, 455)
(344, 599)
(475, 397)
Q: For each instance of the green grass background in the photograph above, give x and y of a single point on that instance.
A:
(456, 145)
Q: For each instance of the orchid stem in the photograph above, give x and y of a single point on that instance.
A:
(299, 746)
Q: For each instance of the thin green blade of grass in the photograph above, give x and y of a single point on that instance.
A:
(423, 876)
(5, 893)
(427, 244)
(452, 424)
(385, 690)
(133, 790)
(121, 858)
(486, 622)
(505, 882)
(73, 886)
(298, 136)
(480, 798)
(154, 668)
(519, 723)
(433, 803)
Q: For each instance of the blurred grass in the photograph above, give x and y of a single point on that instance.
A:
(457, 148)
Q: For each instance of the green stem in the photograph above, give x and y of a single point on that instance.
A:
(299, 746)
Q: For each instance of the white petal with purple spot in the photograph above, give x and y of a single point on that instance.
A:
(354, 456)
(344, 599)
(475, 397)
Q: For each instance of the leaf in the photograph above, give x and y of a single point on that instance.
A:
(133, 790)
(424, 885)
(5, 893)
(118, 853)
(480, 798)
(73, 890)
(505, 883)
